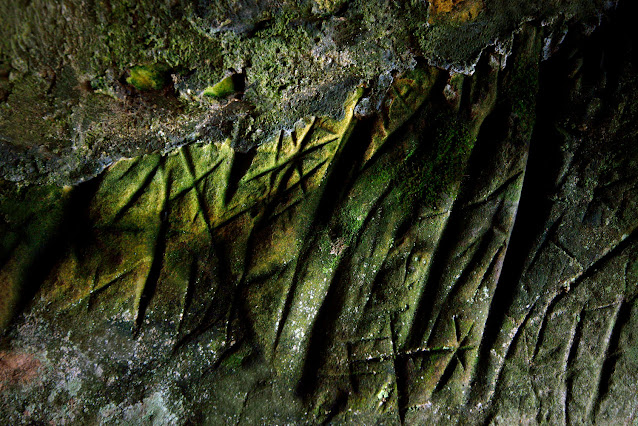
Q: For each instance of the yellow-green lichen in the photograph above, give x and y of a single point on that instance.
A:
(148, 77)
(222, 89)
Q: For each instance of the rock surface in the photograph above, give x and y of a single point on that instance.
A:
(341, 228)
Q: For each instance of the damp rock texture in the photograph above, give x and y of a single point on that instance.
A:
(327, 211)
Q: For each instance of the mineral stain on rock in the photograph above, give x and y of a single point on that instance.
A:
(17, 369)
(455, 10)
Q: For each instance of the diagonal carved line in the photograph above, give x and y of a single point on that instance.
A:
(497, 191)
(546, 239)
(289, 299)
(510, 347)
(295, 141)
(316, 147)
(272, 182)
(188, 298)
(299, 169)
(300, 144)
(371, 212)
(453, 360)
(277, 189)
(541, 331)
(568, 252)
(97, 291)
(445, 378)
(244, 405)
(304, 178)
(406, 263)
(623, 180)
(491, 268)
(93, 281)
(280, 143)
(459, 358)
(10, 252)
(399, 380)
(317, 125)
(539, 413)
(201, 201)
(136, 195)
(621, 317)
(132, 165)
(624, 242)
(472, 246)
(152, 278)
(284, 192)
(288, 208)
(475, 261)
(457, 328)
(231, 218)
(271, 274)
(599, 308)
(135, 229)
(571, 357)
(196, 181)
(272, 169)
(403, 102)
(304, 255)
(445, 350)
(464, 341)
(291, 161)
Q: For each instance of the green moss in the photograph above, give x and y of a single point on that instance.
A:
(427, 174)
(234, 361)
(161, 34)
(354, 218)
(282, 51)
(222, 89)
(522, 91)
(521, 85)
(148, 77)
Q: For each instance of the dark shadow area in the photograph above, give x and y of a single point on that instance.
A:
(586, 66)
(74, 227)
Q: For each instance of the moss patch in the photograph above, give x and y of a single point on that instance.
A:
(522, 91)
(433, 170)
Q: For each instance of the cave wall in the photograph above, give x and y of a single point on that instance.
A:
(377, 226)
